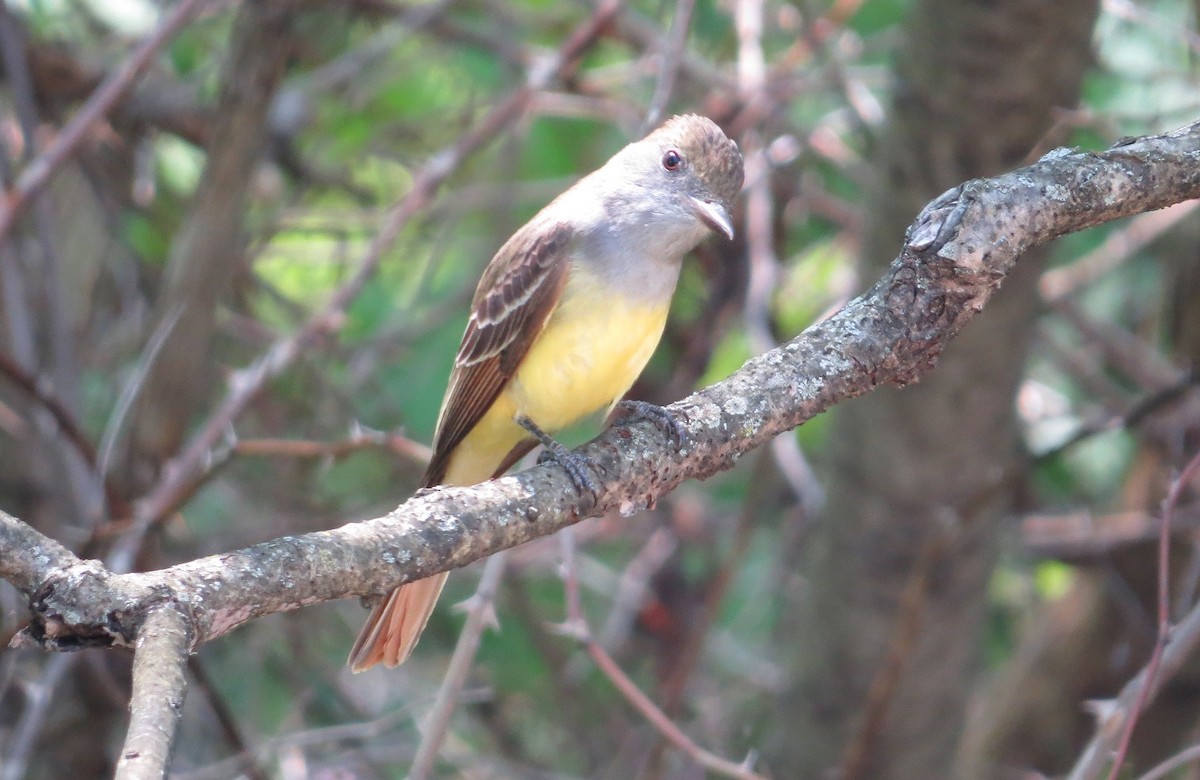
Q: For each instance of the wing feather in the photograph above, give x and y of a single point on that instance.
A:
(514, 299)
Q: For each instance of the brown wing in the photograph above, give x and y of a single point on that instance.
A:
(515, 297)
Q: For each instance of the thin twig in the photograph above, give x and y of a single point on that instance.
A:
(1125, 351)
(1083, 537)
(1164, 612)
(159, 685)
(359, 439)
(646, 35)
(631, 590)
(133, 386)
(481, 614)
(108, 94)
(46, 398)
(240, 763)
(764, 280)
(751, 64)
(760, 246)
(1118, 718)
(1159, 24)
(1118, 247)
(675, 684)
(1130, 418)
(671, 55)
(1095, 756)
(1182, 758)
(576, 626)
(38, 693)
(764, 265)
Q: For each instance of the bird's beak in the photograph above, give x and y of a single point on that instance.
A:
(715, 215)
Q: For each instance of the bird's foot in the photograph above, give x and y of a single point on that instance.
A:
(578, 467)
(659, 416)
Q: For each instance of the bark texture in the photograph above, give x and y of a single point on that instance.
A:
(884, 644)
(958, 251)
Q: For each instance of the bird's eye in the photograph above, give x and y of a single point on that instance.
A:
(672, 160)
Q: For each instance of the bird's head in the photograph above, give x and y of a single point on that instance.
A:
(693, 162)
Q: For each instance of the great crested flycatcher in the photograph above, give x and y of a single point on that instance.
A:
(563, 321)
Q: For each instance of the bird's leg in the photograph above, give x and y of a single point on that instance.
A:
(578, 467)
(662, 419)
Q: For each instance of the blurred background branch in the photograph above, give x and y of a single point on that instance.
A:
(238, 290)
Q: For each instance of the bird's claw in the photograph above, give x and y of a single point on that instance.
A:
(662, 419)
(578, 467)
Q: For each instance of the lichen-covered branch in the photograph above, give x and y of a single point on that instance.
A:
(28, 558)
(158, 690)
(957, 254)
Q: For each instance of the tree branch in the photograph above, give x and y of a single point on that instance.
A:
(158, 689)
(481, 614)
(27, 558)
(955, 256)
(576, 626)
(108, 94)
(1114, 713)
(957, 253)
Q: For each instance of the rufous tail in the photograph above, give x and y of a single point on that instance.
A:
(393, 628)
(395, 625)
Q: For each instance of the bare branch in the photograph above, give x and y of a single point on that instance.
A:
(958, 253)
(670, 56)
(577, 627)
(1151, 681)
(159, 685)
(40, 692)
(1098, 754)
(360, 438)
(1184, 757)
(53, 405)
(1119, 247)
(633, 586)
(107, 95)
(481, 613)
(27, 558)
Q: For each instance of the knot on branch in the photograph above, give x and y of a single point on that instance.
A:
(86, 605)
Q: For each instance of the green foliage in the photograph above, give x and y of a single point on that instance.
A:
(1147, 70)
(1053, 579)
(380, 96)
(880, 17)
(557, 148)
(146, 237)
(804, 293)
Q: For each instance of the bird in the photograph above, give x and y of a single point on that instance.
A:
(564, 318)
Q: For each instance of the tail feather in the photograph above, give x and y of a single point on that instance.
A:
(395, 625)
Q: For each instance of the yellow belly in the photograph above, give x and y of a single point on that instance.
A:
(589, 354)
(585, 360)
